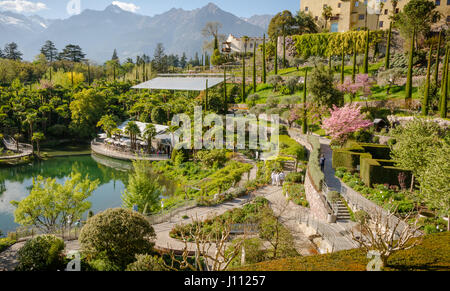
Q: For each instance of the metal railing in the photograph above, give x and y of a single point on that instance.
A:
(338, 240)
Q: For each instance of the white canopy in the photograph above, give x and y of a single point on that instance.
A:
(180, 84)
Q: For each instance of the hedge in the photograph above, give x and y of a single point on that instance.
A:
(382, 172)
(326, 44)
(350, 156)
(314, 170)
(348, 159)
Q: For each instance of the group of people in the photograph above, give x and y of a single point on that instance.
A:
(278, 178)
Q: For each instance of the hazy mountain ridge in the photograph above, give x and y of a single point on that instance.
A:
(100, 32)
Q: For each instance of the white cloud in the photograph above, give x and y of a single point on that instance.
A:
(22, 6)
(127, 6)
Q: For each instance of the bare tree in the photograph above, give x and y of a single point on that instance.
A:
(386, 234)
(210, 250)
(211, 29)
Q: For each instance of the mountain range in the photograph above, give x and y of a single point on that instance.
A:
(100, 32)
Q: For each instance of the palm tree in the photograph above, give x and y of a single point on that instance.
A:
(38, 137)
(172, 129)
(132, 129)
(31, 119)
(149, 134)
(108, 124)
(327, 13)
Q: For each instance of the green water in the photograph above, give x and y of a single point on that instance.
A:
(16, 182)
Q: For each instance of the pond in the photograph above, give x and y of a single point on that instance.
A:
(16, 182)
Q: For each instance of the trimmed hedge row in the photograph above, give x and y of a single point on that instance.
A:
(374, 161)
(351, 155)
(382, 172)
(316, 173)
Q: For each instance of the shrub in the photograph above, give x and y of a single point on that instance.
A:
(209, 158)
(117, 235)
(296, 177)
(146, 263)
(43, 253)
(275, 81)
(6, 243)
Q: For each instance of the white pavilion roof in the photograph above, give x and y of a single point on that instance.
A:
(180, 84)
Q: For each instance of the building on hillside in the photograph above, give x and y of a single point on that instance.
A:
(374, 14)
(236, 44)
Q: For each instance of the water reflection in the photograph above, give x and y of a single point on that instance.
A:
(16, 182)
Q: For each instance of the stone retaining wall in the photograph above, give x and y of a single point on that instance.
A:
(316, 202)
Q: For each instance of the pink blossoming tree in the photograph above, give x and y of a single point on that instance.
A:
(344, 121)
(361, 84)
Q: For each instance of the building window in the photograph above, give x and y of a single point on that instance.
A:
(381, 24)
(306, 8)
(361, 17)
(339, 4)
(356, 4)
(448, 2)
(387, 11)
(334, 27)
(438, 2)
(316, 18)
(324, 5)
(397, 11)
(448, 18)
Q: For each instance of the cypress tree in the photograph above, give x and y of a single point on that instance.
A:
(206, 95)
(305, 111)
(264, 60)
(427, 85)
(408, 96)
(354, 62)
(89, 74)
(444, 93)
(243, 77)
(436, 70)
(343, 65)
(254, 67)
(366, 54)
(388, 49)
(284, 50)
(276, 55)
(225, 87)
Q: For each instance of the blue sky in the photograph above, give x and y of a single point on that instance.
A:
(58, 8)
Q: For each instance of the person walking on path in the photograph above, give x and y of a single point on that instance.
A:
(281, 177)
(322, 163)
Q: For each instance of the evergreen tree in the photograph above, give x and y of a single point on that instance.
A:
(444, 93)
(343, 65)
(183, 61)
(305, 110)
(366, 53)
(408, 96)
(254, 67)
(12, 52)
(426, 95)
(354, 61)
(114, 56)
(264, 60)
(1, 54)
(72, 53)
(388, 49)
(159, 59)
(49, 51)
(438, 55)
(276, 55)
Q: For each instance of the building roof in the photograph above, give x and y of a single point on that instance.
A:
(180, 84)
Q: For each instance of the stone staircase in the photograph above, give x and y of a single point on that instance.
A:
(342, 212)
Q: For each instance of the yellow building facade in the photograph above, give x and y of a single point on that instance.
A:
(352, 14)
